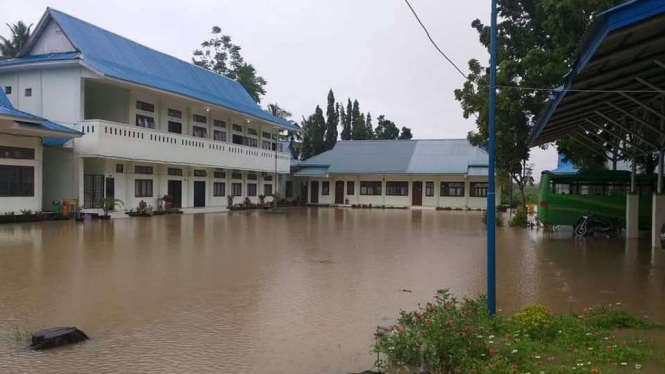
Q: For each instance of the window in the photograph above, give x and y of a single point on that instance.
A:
(325, 188)
(235, 175)
(175, 114)
(236, 189)
(143, 188)
(8, 90)
(370, 188)
(267, 189)
(397, 188)
(251, 189)
(289, 189)
(219, 189)
(17, 153)
(219, 135)
(145, 121)
(267, 178)
(251, 142)
(17, 180)
(28, 92)
(142, 169)
(219, 123)
(455, 189)
(175, 127)
(175, 172)
(237, 139)
(146, 107)
(199, 118)
(479, 189)
(199, 132)
(266, 145)
(219, 174)
(429, 188)
(267, 135)
(252, 131)
(237, 128)
(119, 168)
(252, 177)
(200, 173)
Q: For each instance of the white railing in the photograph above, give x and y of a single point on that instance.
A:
(109, 139)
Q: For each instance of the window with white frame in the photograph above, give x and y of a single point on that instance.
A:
(220, 136)
(397, 188)
(219, 189)
(267, 189)
(370, 188)
(236, 189)
(199, 119)
(143, 188)
(251, 189)
(452, 189)
(199, 132)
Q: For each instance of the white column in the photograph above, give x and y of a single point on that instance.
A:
(437, 191)
(632, 215)
(657, 219)
(383, 190)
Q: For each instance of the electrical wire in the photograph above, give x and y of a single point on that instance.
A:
(432, 40)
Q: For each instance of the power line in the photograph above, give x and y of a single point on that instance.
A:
(432, 40)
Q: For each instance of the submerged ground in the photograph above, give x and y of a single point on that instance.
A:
(300, 292)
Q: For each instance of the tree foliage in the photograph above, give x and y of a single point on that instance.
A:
(347, 120)
(405, 134)
(19, 36)
(332, 121)
(386, 129)
(536, 41)
(220, 55)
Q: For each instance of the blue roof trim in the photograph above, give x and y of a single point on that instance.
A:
(123, 59)
(41, 58)
(603, 24)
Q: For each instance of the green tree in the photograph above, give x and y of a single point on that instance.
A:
(406, 134)
(12, 46)
(369, 129)
(386, 129)
(308, 133)
(278, 111)
(220, 55)
(347, 120)
(314, 129)
(536, 41)
(358, 127)
(332, 120)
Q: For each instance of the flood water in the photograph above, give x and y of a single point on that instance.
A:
(295, 293)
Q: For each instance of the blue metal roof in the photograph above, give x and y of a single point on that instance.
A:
(451, 156)
(620, 17)
(126, 60)
(41, 58)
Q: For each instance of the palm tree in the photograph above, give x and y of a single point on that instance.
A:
(278, 111)
(20, 34)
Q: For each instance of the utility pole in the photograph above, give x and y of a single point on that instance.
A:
(491, 194)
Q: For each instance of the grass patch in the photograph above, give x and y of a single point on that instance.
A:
(451, 336)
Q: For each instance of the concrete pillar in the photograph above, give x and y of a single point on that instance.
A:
(657, 218)
(632, 215)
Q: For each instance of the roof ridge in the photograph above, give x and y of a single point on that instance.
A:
(49, 9)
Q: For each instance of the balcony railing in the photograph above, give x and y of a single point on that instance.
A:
(115, 140)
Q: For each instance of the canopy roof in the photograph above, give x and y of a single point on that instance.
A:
(620, 65)
(22, 122)
(120, 58)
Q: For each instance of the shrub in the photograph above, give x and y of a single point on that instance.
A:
(520, 218)
(535, 320)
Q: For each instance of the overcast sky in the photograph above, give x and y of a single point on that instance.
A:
(372, 50)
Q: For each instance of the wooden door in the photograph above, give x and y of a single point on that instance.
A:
(175, 191)
(314, 193)
(199, 194)
(417, 197)
(339, 192)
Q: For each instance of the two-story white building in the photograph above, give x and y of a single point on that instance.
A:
(152, 125)
(449, 173)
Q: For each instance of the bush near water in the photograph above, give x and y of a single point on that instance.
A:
(451, 336)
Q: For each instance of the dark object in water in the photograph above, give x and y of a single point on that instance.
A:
(56, 337)
(405, 290)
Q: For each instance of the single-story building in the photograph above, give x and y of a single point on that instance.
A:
(401, 173)
(21, 156)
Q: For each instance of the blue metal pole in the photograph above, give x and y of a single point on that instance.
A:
(491, 193)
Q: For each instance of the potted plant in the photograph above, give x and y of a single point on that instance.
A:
(229, 202)
(109, 204)
(168, 202)
(262, 199)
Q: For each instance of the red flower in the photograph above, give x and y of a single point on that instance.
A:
(513, 368)
(492, 352)
(401, 328)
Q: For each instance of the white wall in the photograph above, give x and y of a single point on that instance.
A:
(60, 175)
(400, 201)
(56, 92)
(18, 203)
(52, 40)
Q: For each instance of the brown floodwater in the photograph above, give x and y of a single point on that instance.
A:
(300, 292)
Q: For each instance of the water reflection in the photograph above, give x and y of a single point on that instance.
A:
(303, 291)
